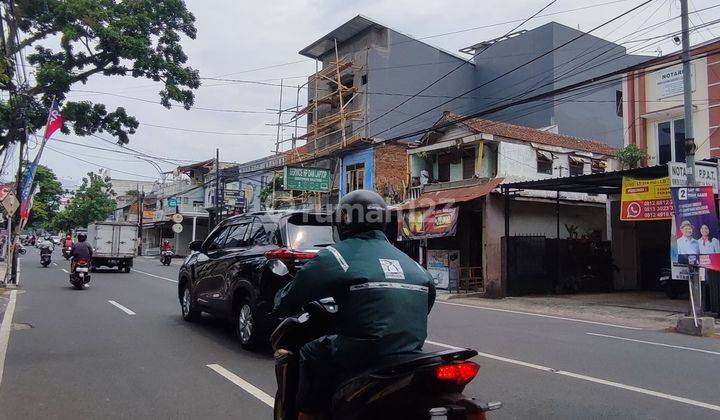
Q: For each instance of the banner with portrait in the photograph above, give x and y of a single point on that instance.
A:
(695, 238)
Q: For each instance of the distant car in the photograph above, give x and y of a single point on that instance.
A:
(236, 272)
(55, 240)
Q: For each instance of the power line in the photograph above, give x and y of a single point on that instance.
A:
(220, 133)
(582, 84)
(523, 65)
(96, 164)
(239, 111)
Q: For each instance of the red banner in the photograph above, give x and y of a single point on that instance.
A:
(427, 223)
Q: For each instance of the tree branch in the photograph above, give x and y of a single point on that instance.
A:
(31, 39)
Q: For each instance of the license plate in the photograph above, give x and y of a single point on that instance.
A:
(81, 269)
(113, 261)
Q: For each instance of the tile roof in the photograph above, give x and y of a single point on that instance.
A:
(527, 134)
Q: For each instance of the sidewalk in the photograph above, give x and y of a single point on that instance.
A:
(650, 310)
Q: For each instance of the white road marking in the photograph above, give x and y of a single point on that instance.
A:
(588, 378)
(64, 270)
(122, 308)
(245, 385)
(655, 344)
(54, 264)
(5, 328)
(17, 274)
(156, 276)
(541, 315)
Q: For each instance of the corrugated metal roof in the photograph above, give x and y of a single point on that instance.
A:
(451, 195)
(342, 33)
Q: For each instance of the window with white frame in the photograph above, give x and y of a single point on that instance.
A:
(355, 177)
(671, 141)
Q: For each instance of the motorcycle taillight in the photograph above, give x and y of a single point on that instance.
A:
(460, 372)
(82, 262)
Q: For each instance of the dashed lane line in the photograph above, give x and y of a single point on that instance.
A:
(156, 276)
(245, 385)
(655, 344)
(122, 308)
(639, 390)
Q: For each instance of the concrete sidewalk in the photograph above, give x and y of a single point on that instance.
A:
(650, 310)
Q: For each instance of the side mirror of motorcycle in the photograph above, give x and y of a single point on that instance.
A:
(195, 246)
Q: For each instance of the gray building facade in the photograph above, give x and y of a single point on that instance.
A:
(593, 112)
(388, 67)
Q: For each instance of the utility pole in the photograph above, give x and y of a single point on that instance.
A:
(695, 286)
(217, 187)
(277, 140)
(141, 201)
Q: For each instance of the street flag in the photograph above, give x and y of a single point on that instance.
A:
(54, 121)
(25, 191)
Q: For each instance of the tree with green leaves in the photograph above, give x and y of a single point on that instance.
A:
(94, 200)
(68, 41)
(46, 201)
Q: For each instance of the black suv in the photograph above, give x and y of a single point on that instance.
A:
(244, 261)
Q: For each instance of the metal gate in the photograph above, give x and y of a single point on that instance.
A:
(526, 268)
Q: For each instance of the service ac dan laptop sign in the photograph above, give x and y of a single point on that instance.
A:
(645, 199)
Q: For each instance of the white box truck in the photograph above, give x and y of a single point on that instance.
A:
(114, 244)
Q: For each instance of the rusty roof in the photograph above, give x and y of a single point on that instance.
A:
(527, 134)
(451, 195)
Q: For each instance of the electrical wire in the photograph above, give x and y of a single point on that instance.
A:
(514, 69)
(96, 164)
(238, 111)
(220, 133)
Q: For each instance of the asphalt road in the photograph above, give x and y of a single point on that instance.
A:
(119, 350)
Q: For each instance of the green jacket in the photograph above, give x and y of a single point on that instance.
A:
(383, 297)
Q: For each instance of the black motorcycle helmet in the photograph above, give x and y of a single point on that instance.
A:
(82, 237)
(361, 211)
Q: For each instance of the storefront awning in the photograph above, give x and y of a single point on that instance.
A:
(451, 195)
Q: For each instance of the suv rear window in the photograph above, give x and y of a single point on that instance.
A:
(308, 232)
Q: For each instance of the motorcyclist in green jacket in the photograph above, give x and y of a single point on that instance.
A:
(383, 299)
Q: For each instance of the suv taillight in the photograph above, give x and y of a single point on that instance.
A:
(461, 373)
(288, 254)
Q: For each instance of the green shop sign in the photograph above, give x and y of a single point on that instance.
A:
(307, 179)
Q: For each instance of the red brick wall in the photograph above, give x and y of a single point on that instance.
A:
(391, 169)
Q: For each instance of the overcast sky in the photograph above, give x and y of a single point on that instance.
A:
(235, 37)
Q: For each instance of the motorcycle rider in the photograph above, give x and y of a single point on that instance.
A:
(383, 299)
(46, 246)
(68, 242)
(80, 251)
(165, 246)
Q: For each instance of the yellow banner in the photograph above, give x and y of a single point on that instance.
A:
(645, 199)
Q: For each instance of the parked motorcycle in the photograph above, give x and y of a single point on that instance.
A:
(81, 274)
(67, 252)
(166, 257)
(45, 258)
(411, 386)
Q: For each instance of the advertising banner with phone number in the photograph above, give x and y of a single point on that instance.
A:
(645, 199)
(695, 236)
